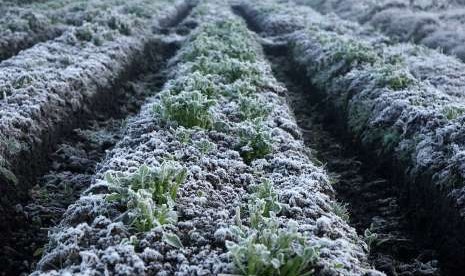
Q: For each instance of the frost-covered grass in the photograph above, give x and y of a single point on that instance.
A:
(250, 158)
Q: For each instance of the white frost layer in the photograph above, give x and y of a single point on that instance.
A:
(88, 240)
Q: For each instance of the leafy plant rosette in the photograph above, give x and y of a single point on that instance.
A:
(265, 246)
(148, 198)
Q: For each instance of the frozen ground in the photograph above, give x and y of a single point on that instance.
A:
(282, 138)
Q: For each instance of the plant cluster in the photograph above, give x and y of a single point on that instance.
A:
(340, 209)
(264, 246)
(254, 141)
(394, 77)
(188, 109)
(148, 195)
(219, 65)
(452, 112)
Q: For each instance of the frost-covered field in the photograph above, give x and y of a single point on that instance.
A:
(438, 24)
(189, 159)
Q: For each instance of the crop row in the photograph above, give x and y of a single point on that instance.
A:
(442, 71)
(48, 89)
(435, 24)
(411, 124)
(23, 26)
(211, 177)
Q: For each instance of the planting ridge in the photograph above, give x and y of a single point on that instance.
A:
(435, 24)
(52, 88)
(23, 26)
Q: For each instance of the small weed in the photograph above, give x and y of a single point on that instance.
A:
(353, 53)
(163, 183)
(221, 38)
(399, 82)
(371, 239)
(11, 146)
(229, 69)
(97, 40)
(391, 139)
(8, 176)
(205, 84)
(172, 239)
(265, 192)
(264, 247)
(340, 209)
(22, 81)
(133, 240)
(144, 213)
(184, 135)
(117, 24)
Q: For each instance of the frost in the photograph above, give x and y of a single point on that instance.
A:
(225, 162)
(400, 101)
(435, 24)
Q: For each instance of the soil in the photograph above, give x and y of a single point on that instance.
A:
(373, 201)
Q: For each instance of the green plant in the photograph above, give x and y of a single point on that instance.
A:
(265, 192)
(205, 84)
(205, 146)
(340, 209)
(8, 176)
(11, 146)
(221, 38)
(265, 248)
(452, 112)
(188, 109)
(163, 182)
(116, 23)
(183, 135)
(252, 107)
(352, 52)
(144, 213)
(230, 69)
(148, 194)
(84, 33)
(391, 139)
(393, 77)
(133, 240)
(371, 239)
(254, 141)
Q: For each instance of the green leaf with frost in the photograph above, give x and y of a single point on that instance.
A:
(172, 239)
